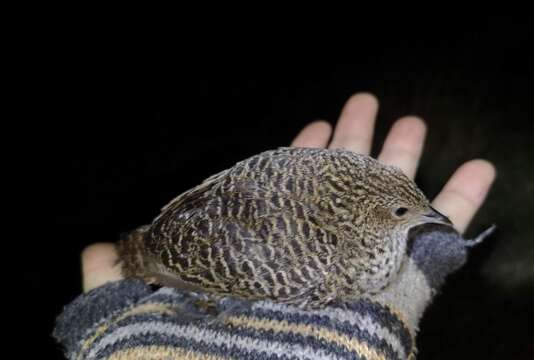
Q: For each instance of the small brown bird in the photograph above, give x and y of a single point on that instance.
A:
(296, 225)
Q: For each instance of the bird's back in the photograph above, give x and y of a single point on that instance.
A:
(269, 227)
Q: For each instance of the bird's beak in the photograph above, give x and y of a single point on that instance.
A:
(434, 217)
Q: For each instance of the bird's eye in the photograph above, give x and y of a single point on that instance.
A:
(400, 211)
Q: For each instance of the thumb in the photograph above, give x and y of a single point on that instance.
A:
(99, 265)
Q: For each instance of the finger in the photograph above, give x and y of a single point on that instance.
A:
(314, 135)
(355, 127)
(99, 265)
(465, 191)
(404, 144)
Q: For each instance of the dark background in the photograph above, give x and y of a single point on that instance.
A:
(113, 147)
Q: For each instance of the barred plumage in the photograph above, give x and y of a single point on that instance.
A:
(296, 225)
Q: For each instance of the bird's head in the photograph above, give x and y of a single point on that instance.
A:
(385, 205)
(391, 202)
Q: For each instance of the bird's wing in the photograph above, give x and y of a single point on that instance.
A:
(254, 230)
(250, 241)
(256, 260)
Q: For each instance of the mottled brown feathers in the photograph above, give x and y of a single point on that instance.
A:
(301, 226)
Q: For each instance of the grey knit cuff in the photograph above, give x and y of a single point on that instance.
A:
(94, 307)
(437, 251)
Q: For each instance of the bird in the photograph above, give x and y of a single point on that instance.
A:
(300, 226)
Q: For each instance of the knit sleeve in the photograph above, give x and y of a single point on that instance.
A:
(93, 311)
(126, 320)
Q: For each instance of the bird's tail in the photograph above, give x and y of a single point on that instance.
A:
(132, 254)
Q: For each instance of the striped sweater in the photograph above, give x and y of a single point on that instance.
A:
(129, 320)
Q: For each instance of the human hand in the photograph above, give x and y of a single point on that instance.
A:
(461, 197)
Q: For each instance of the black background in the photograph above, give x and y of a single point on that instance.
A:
(117, 138)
